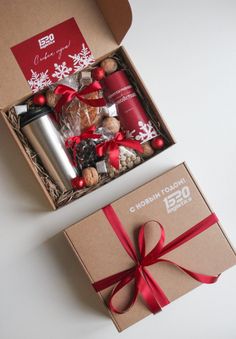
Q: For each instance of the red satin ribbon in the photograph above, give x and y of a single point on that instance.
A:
(112, 148)
(144, 283)
(72, 142)
(68, 94)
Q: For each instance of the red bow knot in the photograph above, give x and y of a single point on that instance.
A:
(68, 94)
(144, 283)
(111, 147)
(72, 142)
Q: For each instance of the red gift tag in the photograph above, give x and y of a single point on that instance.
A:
(53, 54)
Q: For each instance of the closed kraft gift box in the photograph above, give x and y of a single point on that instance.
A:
(34, 47)
(151, 246)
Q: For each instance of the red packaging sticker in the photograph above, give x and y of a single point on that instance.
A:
(53, 55)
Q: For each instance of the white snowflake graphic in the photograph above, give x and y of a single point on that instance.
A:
(39, 80)
(82, 59)
(147, 132)
(61, 71)
(130, 134)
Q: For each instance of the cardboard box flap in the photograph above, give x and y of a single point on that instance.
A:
(102, 23)
(118, 17)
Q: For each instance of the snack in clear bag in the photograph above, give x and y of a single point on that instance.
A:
(69, 120)
(77, 116)
(86, 154)
(128, 159)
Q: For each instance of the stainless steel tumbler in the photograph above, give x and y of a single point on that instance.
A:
(43, 135)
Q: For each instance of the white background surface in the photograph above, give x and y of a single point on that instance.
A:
(186, 54)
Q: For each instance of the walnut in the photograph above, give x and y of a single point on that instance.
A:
(111, 125)
(90, 176)
(147, 150)
(109, 65)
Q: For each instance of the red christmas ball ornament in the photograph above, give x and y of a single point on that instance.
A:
(158, 143)
(98, 73)
(39, 99)
(78, 183)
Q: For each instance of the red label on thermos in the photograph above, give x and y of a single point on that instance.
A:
(133, 118)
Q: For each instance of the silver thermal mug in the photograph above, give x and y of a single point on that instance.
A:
(45, 138)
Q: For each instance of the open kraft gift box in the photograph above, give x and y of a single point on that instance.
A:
(103, 24)
(178, 224)
(151, 246)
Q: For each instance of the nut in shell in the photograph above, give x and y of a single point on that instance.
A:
(52, 98)
(90, 176)
(147, 150)
(137, 161)
(109, 65)
(111, 125)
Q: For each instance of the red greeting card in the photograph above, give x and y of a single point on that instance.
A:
(53, 54)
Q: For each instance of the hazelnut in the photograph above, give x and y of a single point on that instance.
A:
(147, 150)
(111, 125)
(52, 98)
(137, 161)
(90, 176)
(109, 65)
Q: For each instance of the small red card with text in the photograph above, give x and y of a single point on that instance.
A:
(53, 55)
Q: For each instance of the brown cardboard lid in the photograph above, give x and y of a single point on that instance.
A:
(103, 24)
(175, 200)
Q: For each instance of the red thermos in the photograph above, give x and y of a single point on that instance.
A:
(134, 120)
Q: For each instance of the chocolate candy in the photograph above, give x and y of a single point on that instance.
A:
(110, 111)
(85, 78)
(101, 167)
(21, 109)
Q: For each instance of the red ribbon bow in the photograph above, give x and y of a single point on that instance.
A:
(68, 94)
(72, 142)
(112, 148)
(145, 285)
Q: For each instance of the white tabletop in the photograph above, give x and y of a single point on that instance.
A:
(186, 53)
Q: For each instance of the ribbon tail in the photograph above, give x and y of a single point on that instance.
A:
(89, 136)
(100, 102)
(147, 294)
(93, 87)
(67, 95)
(202, 278)
(114, 155)
(61, 102)
(158, 293)
(190, 233)
(63, 89)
